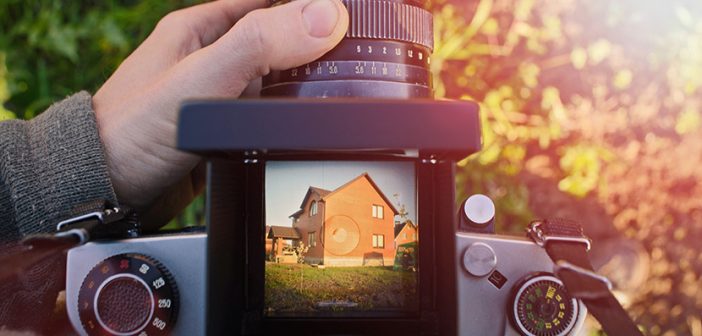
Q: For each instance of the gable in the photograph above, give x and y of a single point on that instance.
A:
(364, 178)
(284, 232)
(324, 194)
(407, 226)
(311, 191)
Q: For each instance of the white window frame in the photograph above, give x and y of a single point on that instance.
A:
(378, 241)
(312, 239)
(378, 211)
(314, 208)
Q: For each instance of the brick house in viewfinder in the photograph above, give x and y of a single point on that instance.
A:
(405, 232)
(352, 225)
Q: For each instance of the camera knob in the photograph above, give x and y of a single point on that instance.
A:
(479, 210)
(128, 294)
(479, 259)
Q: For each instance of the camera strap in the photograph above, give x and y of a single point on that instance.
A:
(567, 246)
(93, 220)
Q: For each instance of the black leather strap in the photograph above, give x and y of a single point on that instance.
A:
(562, 241)
(93, 220)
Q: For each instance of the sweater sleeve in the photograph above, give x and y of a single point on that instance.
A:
(49, 165)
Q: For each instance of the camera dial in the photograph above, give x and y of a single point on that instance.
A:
(479, 210)
(540, 306)
(128, 294)
(386, 54)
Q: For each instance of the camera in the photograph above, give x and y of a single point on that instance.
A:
(314, 230)
(331, 210)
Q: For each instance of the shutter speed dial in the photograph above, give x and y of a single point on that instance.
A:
(128, 294)
(540, 306)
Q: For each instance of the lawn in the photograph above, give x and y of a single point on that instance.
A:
(299, 288)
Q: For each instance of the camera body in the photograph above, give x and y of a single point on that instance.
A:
(496, 275)
(454, 275)
(485, 298)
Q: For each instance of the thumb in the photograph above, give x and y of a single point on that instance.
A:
(268, 39)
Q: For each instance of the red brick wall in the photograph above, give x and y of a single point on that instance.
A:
(308, 224)
(355, 202)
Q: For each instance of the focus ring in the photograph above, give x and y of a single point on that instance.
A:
(390, 20)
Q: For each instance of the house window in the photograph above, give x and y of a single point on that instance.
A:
(377, 211)
(378, 241)
(313, 208)
(404, 235)
(312, 239)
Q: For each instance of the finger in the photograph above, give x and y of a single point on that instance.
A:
(269, 39)
(177, 35)
(204, 23)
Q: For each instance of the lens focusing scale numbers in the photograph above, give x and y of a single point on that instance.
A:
(540, 306)
(128, 294)
(386, 53)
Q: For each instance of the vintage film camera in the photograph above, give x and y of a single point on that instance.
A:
(386, 252)
(333, 216)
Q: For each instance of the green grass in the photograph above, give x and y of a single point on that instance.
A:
(299, 288)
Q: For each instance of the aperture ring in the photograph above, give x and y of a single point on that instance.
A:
(351, 70)
(390, 20)
(379, 51)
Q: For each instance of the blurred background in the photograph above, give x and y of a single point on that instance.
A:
(590, 110)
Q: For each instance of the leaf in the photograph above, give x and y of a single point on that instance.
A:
(582, 165)
(599, 50)
(551, 101)
(529, 72)
(491, 27)
(578, 57)
(4, 90)
(6, 114)
(622, 79)
(688, 121)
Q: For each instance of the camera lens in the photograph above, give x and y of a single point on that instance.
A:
(386, 53)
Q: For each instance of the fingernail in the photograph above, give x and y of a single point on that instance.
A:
(320, 17)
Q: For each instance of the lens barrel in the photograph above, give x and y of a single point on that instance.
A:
(386, 54)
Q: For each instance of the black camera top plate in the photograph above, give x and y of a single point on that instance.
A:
(428, 128)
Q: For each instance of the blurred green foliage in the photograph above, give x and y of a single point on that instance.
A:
(55, 48)
(52, 49)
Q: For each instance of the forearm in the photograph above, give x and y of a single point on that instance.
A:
(48, 166)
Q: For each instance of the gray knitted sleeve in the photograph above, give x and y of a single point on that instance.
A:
(48, 165)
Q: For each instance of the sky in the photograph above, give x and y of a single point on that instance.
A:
(287, 183)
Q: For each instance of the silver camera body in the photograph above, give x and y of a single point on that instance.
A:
(491, 271)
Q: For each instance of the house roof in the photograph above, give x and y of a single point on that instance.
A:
(319, 191)
(375, 186)
(297, 213)
(325, 194)
(399, 227)
(284, 232)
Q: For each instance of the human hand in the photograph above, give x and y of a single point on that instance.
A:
(211, 50)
